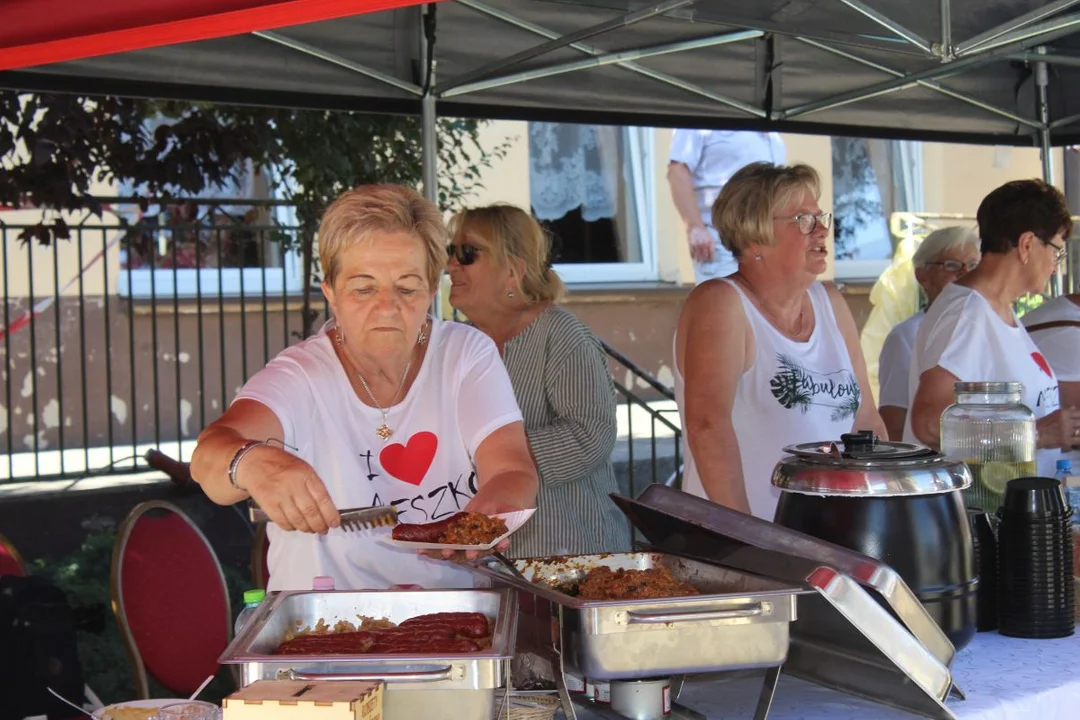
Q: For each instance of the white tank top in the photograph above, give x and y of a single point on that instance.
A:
(793, 392)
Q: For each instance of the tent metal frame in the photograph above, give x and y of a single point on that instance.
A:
(1024, 38)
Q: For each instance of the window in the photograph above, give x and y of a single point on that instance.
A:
(591, 187)
(872, 179)
(225, 247)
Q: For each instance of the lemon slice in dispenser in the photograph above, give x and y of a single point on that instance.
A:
(994, 476)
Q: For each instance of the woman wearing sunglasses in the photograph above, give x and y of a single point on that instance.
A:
(944, 256)
(383, 407)
(769, 356)
(971, 333)
(501, 279)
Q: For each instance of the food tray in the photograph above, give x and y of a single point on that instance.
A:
(428, 686)
(739, 621)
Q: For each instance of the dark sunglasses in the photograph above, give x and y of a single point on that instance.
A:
(465, 254)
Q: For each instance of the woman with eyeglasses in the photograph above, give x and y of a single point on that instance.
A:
(769, 356)
(384, 406)
(971, 332)
(501, 279)
(944, 256)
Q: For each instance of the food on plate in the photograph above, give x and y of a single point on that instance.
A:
(120, 712)
(426, 532)
(462, 528)
(434, 633)
(604, 583)
(474, 529)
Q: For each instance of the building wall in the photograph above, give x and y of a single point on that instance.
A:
(49, 371)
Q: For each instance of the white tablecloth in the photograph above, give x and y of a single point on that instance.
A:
(1003, 678)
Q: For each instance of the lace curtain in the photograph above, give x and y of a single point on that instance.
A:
(573, 166)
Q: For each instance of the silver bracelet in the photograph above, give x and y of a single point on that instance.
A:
(244, 449)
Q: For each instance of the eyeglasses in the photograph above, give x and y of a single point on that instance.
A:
(809, 222)
(955, 266)
(1060, 251)
(465, 253)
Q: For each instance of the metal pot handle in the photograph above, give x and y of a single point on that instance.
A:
(645, 618)
(441, 673)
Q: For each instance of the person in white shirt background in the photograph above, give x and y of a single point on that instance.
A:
(1055, 328)
(971, 332)
(699, 165)
(945, 255)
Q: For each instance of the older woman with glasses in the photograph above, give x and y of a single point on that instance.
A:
(769, 356)
(502, 280)
(971, 332)
(944, 256)
(383, 407)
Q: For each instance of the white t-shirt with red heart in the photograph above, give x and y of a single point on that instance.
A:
(964, 335)
(461, 395)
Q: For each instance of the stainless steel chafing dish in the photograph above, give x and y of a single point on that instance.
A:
(420, 686)
(858, 627)
(739, 620)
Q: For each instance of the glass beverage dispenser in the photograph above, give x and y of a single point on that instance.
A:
(994, 434)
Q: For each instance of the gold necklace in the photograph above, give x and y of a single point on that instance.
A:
(383, 431)
(797, 332)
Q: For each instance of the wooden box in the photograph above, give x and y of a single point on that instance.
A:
(300, 700)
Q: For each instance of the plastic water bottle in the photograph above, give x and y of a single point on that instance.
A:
(252, 599)
(1072, 494)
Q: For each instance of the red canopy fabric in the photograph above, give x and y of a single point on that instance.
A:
(39, 32)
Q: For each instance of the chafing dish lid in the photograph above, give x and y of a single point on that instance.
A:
(860, 465)
(682, 524)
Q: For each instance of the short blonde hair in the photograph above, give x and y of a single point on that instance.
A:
(509, 233)
(359, 213)
(743, 212)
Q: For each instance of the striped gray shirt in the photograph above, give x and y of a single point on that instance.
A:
(560, 376)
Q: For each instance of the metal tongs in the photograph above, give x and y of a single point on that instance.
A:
(352, 519)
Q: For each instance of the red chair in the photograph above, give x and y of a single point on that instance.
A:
(11, 562)
(169, 598)
(260, 548)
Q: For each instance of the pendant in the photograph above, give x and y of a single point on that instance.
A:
(383, 431)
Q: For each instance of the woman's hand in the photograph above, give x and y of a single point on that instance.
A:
(288, 490)
(1059, 429)
(462, 557)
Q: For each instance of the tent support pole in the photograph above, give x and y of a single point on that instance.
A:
(945, 52)
(1041, 13)
(889, 24)
(556, 43)
(928, 84)
(429, 137)
(1042, 82)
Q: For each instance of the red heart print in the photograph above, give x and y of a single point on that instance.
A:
(411, 461)
(1041, 362)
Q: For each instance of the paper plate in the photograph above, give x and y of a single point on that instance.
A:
(148, 704)
(514, 521)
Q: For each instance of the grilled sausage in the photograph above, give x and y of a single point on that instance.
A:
(426, 532)
(468, 627)
(440, 647)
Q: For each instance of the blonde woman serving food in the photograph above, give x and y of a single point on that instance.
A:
(384, 406)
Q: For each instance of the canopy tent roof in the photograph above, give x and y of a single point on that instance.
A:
(951, 70)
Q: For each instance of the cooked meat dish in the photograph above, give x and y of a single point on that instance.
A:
(473, 529)
(435, 633)
(461, 528)
(603, 583)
